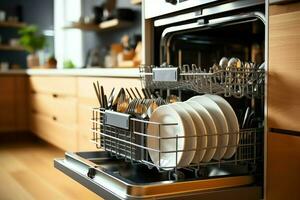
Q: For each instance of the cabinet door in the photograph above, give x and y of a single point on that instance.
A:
(284, 68)
(21, 103)
(283, 149)
(283, 167)
(7, 103)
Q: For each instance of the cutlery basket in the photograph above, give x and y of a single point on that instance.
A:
(125, 137)
(231, 81)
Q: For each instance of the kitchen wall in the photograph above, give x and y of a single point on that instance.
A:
(35, 12)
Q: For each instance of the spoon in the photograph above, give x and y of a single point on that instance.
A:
(172, 99)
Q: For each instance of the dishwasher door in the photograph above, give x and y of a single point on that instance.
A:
(112, 178)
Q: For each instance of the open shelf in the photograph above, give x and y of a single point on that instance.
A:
(107, 25)
(136, 2)
(4, 47)
(12, 24)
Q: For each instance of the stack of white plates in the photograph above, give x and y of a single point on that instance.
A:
(206, 128)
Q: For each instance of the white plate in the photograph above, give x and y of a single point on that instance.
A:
(200, 131)
(166, 115)
(220, 122)
(212, 141)
(232, 121)
(190, 130)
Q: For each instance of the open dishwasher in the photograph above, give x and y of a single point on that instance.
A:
(183, 46)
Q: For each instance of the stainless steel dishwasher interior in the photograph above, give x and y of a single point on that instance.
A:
(195, 33)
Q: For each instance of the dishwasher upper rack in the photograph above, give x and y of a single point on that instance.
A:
(129, 142)
(231, 81)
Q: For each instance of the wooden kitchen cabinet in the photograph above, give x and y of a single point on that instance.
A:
(57, 85)
(21, 102)
(60, 108)
(7, 98)
(53, 110)
(13, 103)
(284, 68)
(283, 161)
(62, 135)
(283, 138)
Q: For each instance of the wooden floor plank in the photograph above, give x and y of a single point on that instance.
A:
(27, 168)
(9, 186)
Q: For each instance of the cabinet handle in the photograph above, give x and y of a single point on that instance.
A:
(54, 95)
(278, 2)
(285, 132)
(54, 118)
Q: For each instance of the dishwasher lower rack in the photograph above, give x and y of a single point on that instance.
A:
(126, 138)
(243, 81)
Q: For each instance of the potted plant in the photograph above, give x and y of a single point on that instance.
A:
(32, 41)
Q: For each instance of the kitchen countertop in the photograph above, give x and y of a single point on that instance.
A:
(101, 72)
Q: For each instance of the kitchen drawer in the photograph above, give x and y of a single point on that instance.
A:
(60, 108)
(53, 85)
(86, 88)
(284, 70)
(283, 164)
(59, 134)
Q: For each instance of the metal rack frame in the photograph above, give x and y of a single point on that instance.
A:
(130, 143)
(232, 81)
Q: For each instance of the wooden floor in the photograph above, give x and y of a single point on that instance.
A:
(27, 172)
